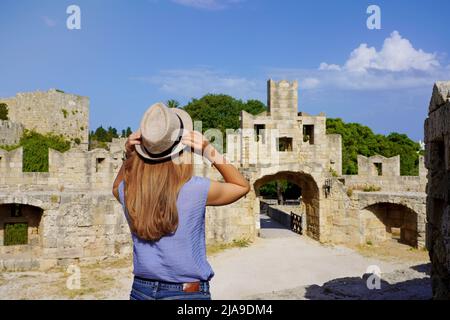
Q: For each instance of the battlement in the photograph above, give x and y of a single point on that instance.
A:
(71, 170)
(378, 165)
(51, 111)
(10, 132)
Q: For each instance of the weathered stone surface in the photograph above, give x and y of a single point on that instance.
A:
(10, 132)
(440, 96)
(437, 160)
(79, 219)
(51, 111)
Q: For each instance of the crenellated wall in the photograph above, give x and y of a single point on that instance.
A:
(10, 132)
(389, 180)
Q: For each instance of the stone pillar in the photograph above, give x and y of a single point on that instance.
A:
(437, 161)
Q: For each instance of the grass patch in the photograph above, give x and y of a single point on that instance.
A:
(391, 250)
(371, 188)
(217, 248)
(93, 281)
(349, 192)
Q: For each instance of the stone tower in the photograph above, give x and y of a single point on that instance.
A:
(52, 111)
(282, 99)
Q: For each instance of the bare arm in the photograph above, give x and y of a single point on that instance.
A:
(235, 185)
(117, 182)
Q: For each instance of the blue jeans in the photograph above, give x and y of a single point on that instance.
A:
(158, 290)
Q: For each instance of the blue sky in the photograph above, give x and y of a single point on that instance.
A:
(130, 54)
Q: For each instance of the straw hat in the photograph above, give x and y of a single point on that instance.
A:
(161, 131)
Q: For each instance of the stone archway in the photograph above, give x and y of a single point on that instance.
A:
(20, 229)
(309, 194)
(382, 221)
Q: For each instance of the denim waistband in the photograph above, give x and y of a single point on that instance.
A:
(204, 285)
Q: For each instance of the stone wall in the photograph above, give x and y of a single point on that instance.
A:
(237, 221)
(81, 220)
(10, 132)
(74, 227)
(52, 111)
(389, 179)
(437, 160)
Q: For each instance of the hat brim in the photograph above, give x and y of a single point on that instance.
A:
(187, 126)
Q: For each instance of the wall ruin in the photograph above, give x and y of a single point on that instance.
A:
(437, 160)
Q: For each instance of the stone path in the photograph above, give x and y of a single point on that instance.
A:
(283, 265)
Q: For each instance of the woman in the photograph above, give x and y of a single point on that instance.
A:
(165, 204)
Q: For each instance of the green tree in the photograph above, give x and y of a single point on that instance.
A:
(172, 103)
(100, 134)
(281, 190)
(3, 111)
(359, 139)
(221, 111)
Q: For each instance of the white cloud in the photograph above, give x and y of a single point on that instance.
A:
(326, 66)
(397, 54)
(48, 21)
(309, 83)
(207, 4)
(190, 83)
(397, 65)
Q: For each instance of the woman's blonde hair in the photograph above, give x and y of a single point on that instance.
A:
(151, 191)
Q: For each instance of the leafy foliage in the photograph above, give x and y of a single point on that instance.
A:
(172, 103)
(3, 111)
(287, 189)
(359, 139)
(15, 234)
(35, 149)
(221, 111)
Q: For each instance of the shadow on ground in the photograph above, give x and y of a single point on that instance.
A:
(268, 223)
(406, 284)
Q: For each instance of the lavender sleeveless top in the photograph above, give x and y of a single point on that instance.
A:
(181, 256)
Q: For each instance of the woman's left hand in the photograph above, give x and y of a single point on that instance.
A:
(133, 139)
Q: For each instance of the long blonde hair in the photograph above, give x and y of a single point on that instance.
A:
(151, 191)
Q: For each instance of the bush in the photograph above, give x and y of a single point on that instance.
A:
(35, 149)
(371, 188)
(15, 234)
(3, 111)
(349, 192)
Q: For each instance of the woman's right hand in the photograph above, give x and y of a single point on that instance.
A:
(133, 139)
(196, 141)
